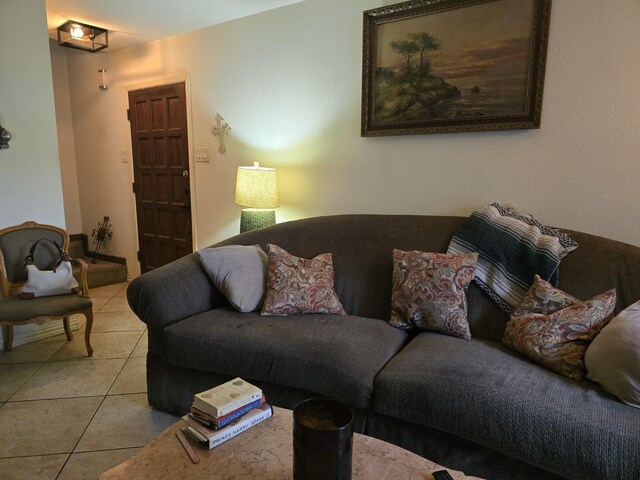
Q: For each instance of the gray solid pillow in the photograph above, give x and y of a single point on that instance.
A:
(613, 358)
(239, 272)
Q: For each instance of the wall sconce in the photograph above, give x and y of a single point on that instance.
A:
(102, 74)
(257, 188)
(82, 36)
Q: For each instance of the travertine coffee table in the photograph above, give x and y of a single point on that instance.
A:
(265, 452)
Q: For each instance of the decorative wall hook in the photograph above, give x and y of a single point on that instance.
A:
(221, 129)
(5, 136)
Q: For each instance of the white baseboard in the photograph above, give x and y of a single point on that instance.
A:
(32, 333)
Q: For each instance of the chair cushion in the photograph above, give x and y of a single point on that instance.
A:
(483, 392)
(333, 355)
(15, 309)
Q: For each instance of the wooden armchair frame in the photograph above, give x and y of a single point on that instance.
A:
(10, 289)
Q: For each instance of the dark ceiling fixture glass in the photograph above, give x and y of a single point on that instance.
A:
(85, 37)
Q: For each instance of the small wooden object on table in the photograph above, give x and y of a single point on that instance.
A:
(265, 451)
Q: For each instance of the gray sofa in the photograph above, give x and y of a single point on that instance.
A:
(471, 405)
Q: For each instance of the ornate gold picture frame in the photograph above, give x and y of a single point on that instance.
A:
(436, 66)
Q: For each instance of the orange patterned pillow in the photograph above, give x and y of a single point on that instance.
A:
(298, 285)
(558, 339)
(429, 291)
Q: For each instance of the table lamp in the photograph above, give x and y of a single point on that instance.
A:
(257, 188)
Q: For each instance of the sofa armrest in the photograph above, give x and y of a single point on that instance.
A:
(173, 292)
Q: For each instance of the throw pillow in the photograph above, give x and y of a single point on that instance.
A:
(298, 285)
(559, 340)
(512, 249)
(613, 358)
(239, 272)
(429, 291)
(543, 297)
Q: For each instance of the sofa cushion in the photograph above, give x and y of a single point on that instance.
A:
(429, 291)
(299, 285)
(483, 392)
(331, 355)
(239, 272)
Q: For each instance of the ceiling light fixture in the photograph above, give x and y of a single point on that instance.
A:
(82, 36)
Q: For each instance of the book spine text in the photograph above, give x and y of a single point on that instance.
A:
(241, 427)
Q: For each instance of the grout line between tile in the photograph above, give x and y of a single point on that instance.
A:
(25, 382)
(92, 451)
(40, 455)
(63, 465)
(104, 398)
(49, 359)
(120, 372)
(53, 398)
(87, 426)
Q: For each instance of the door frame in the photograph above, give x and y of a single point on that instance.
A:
(178, 77)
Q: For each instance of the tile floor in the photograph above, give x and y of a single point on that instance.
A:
(69, 417)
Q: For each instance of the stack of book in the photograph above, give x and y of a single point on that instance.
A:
(225, 411)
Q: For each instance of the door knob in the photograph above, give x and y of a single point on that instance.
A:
(185, 173)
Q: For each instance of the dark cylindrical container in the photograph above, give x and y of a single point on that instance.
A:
(322, 440)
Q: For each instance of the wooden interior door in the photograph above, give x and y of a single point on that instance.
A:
(158, 118)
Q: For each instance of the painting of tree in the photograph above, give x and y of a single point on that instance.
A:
(418, 43)
(440, 66)
(403, 88)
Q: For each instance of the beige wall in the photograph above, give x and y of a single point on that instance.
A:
(30, 183)
(288, 82)
(66, 146)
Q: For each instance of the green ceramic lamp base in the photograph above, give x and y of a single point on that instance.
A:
(253, 218)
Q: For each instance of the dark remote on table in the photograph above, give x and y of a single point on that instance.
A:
(441, 475)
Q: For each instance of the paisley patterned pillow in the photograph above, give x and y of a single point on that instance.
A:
(298, 285)
(543, 297)
(429, 291)
(560, 339)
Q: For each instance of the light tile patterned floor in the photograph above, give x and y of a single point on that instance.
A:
(65, 416)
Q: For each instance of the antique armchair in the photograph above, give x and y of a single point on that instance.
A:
(14, 247)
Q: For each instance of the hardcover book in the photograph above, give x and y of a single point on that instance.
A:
(219, 422)
(226, 398)
(211, 438)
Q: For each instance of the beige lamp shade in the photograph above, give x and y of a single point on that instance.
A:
(257, 187)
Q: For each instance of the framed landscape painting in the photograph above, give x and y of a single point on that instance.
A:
(434, 66)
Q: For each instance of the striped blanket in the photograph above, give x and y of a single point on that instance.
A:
(512, 248)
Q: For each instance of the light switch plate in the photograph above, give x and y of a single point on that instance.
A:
(202, 154)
